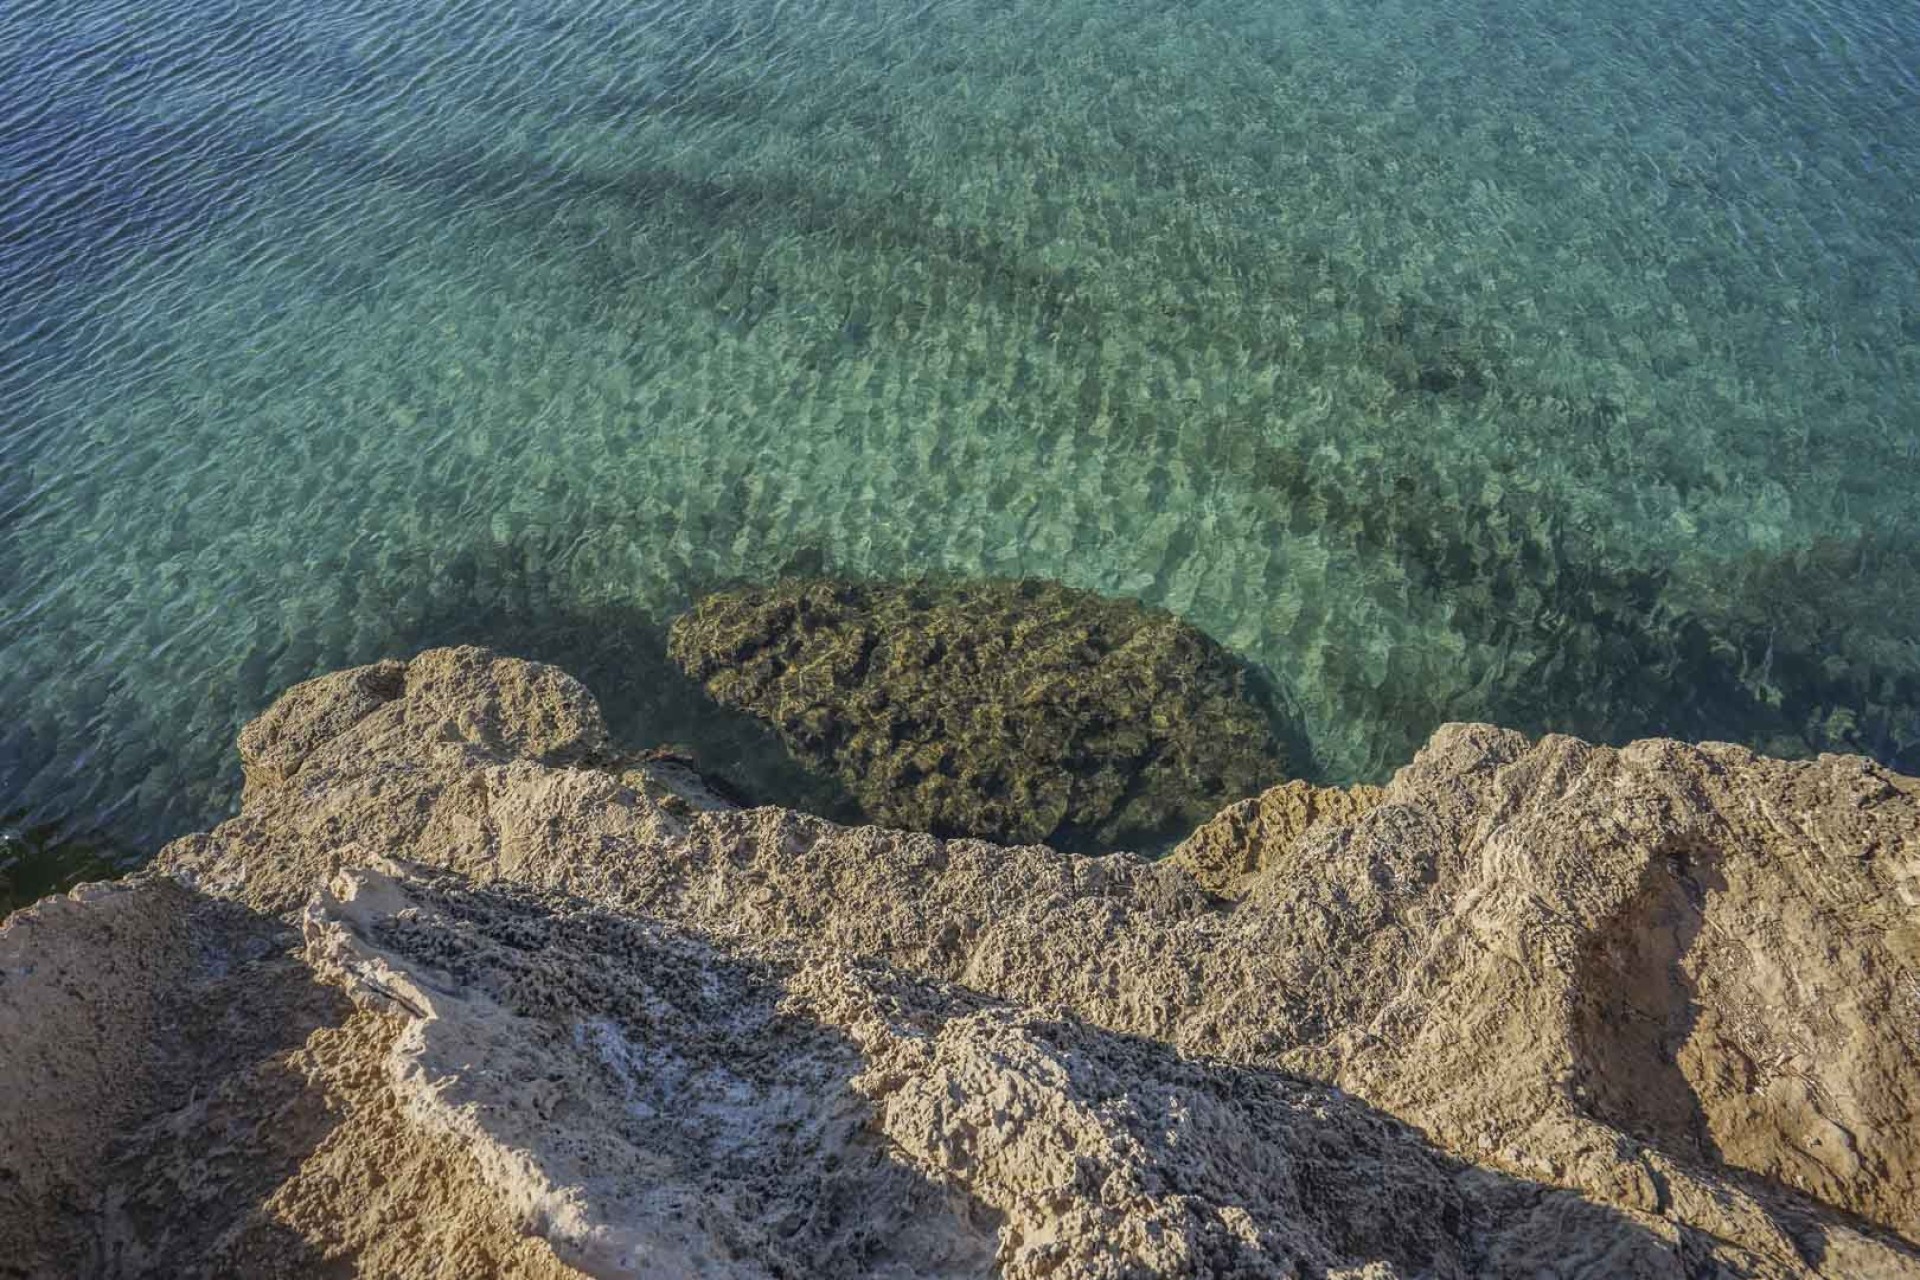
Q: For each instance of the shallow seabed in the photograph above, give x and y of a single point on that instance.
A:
(1460, 360)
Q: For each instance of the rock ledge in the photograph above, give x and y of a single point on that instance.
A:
(464, 990)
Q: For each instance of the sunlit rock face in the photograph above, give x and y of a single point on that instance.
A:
(1012, 711)
(465, 988)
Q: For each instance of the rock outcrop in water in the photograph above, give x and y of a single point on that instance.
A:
(1012, 711)
(463, 990)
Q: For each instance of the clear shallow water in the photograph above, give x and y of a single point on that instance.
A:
(1467, 360)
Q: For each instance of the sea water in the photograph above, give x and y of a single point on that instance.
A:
(1479, 359)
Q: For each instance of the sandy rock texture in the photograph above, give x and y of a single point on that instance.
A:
(466, 990)
(1254, 834)
(1008, 710)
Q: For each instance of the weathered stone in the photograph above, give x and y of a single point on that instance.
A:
(1012, 711)
(1535, 1008)
(312, 713)
(1246, 838)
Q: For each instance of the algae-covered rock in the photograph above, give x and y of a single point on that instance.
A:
(1014, 711)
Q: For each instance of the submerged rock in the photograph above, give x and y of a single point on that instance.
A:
(465, 990)
(41, 857)
(1012, 711)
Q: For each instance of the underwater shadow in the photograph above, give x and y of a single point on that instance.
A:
(1790, 652)
(39, 857)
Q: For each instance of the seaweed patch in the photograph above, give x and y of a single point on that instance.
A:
(1009, 710)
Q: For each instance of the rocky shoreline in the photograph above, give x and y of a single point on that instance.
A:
(465, 989)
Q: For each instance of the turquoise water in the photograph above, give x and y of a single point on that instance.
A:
(1444, 360)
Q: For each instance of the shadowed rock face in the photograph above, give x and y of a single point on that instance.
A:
(1011, 711)
(464, 989)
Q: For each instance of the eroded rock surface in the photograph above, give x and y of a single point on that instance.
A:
(463, 986)
(1254, 835)
(1013, 711)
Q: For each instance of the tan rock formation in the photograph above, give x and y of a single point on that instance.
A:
(1255, 835)
(1650, 1011)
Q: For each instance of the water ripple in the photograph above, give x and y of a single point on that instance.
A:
(1444, 360)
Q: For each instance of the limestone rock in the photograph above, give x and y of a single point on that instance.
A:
(1537, 1007)
(654, 1104)
(81, 981)
(311, 714)
(1246, 838)
(660, 1105)
(1014, 711)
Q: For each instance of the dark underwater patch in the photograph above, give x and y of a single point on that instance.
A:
(37, 859)
(1791, 653)
(1015, 711)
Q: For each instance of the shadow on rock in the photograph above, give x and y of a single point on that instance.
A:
(534, 1082)
(154, 1096)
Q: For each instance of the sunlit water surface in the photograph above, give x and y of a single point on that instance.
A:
(1511, 360)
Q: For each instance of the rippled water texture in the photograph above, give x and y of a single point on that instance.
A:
(1544, 363)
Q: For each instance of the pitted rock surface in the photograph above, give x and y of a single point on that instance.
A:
(1536, 1007)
